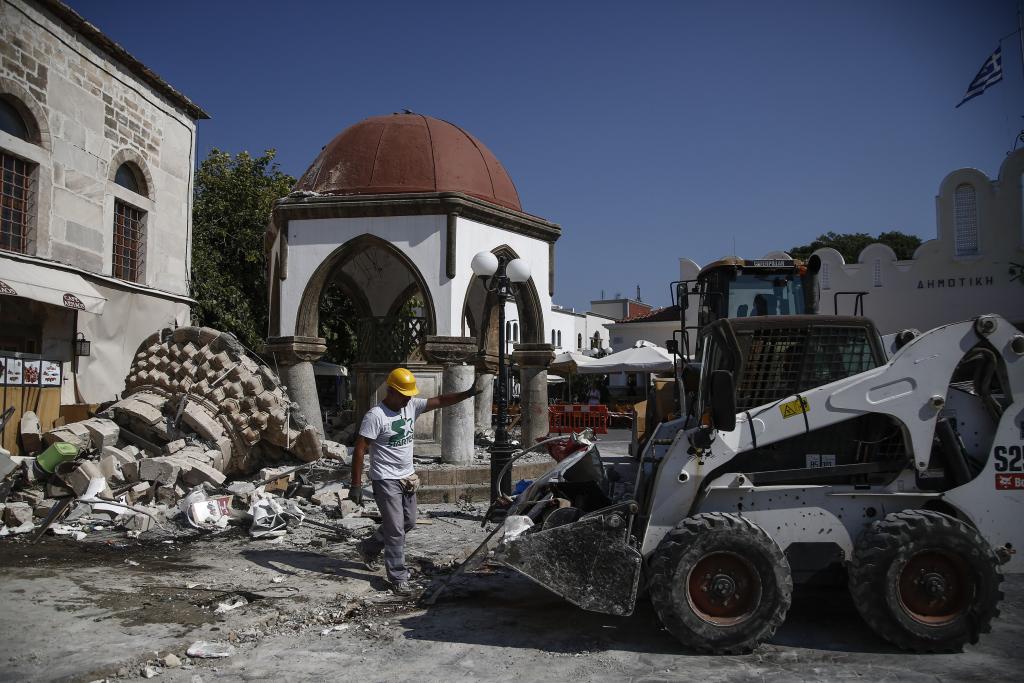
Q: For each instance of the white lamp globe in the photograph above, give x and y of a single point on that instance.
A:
(518, 270)
(484, 263)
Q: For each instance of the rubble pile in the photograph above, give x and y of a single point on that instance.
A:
(197, 413)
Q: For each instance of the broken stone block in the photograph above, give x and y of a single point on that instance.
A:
(202, 423)
(130, 471)
(330, 495)
(175, 446)
(110, 468)
(278, 484)
(75, 433)
(80, 477)
(200, 473)
(31, 497)
(163, 470)
(16, 514)
(336, 451)
(169, 495)
(242, 489)
(132, 450)
(31, 433)
(45, 507)
(141, 492)
(8, 466)
(118, 455)
(138, 522)
(103, 432)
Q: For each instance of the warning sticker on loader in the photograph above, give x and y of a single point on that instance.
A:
(797, 406)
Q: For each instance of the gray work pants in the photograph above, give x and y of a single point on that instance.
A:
(397, 515)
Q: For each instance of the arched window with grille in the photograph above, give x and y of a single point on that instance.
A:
(826, 276)
(579, 341)
(965, 220)
(553, 338)
(559, 344)
(508, 332)
(877, 272)
(19, 187)
(515, 331)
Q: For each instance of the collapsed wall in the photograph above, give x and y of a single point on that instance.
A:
(198, 382)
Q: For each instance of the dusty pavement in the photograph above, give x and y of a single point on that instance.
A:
(108, 609)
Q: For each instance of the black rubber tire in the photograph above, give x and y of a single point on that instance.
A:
(703, 536)
(882, 554)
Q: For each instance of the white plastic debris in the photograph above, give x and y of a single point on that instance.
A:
(228, 605)
(210, 514)
(271, 517)
(205, 649)
(515, 525)
(331, 629)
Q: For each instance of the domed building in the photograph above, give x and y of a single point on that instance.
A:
(392, 211)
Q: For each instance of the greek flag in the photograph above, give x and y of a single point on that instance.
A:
(990, 74)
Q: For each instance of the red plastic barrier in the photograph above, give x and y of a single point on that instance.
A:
(575, 417)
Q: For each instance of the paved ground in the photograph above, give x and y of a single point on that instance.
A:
(86, 611)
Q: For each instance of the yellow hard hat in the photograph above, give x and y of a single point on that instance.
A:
(403, 381)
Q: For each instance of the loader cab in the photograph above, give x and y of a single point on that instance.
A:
(743, 288)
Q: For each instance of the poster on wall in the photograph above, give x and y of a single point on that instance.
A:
(13, 374)
(30, 373)
(50, 373)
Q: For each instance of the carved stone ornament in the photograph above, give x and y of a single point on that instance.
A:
(450, 350)
(533, 355)
(293, 350)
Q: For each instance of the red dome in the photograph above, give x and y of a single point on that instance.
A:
(409, 153)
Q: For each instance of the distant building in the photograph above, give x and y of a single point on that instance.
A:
(98, 155)
(974, 265)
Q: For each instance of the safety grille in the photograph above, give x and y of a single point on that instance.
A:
(16, 197)
(129, 244)
(782, 361)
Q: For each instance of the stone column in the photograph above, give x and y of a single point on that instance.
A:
(295, 357)
(457, 420)
(486, 367)
(533, 361)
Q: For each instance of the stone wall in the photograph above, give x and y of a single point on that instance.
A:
(93, 115)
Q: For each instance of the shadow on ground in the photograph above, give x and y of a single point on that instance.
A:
(507, 610)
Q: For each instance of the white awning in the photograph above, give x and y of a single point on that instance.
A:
(49, 285)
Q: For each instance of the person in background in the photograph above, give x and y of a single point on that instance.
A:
(388, 431)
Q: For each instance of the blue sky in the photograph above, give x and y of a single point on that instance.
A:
(648, 130)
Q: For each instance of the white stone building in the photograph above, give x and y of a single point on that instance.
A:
(98, 155)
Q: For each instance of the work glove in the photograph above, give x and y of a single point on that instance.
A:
(355, 494)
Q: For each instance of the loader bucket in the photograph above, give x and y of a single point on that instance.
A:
(588, 562)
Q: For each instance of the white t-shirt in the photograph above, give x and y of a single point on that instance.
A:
(391, 434)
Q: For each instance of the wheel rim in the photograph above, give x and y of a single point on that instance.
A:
(723, 588)
(935, 587)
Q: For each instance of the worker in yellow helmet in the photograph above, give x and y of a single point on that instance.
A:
(388, 431)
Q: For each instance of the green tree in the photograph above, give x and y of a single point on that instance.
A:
(850, 244)
(233, 199)
(337, 325)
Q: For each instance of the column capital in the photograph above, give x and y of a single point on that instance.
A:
(533, 355)
(295, 350)
(449, 350)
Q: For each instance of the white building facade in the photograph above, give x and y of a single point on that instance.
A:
(98, 154)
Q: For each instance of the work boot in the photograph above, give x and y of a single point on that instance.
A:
(401, 588)
(370, 561)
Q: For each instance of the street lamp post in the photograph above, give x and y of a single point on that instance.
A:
(503, 277)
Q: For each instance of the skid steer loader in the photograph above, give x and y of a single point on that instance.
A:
(815, 450)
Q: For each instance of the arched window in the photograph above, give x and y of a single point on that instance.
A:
(515, 331)
(553, 338)
(508, 332)
(559, 344)
(579, 341)
(878, 272)
(12, 122)
(18, 190)
(826, 276)
(965, 220)
(130, 177)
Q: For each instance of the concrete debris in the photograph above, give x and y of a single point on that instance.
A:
(31, 433)
(205, 649)
(228, 605)
(203, 436)
(150, 671)
(170, 661)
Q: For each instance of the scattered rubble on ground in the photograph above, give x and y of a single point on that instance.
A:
(204, 436)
